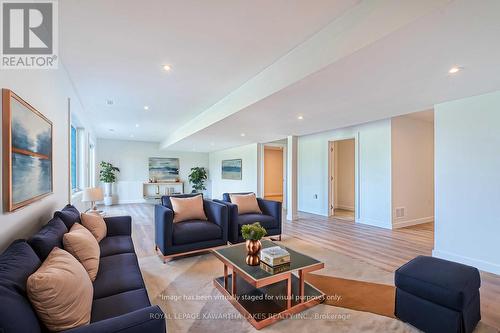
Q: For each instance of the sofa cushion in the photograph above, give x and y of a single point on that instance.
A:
(17, 262)
(440, 281)
(186, 209)
(95, 224)
(61, 292)
(188, 232)
(116, 245)
(48, 237)
(247, 203)
(119, 304)
(69, 215)
(84, 247)
(116, 274)
(268, 222)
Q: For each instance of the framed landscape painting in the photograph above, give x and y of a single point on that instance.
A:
(163, 169)
(231, 169)
(27, 152)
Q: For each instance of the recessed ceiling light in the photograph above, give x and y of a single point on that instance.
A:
(136, 125)
(242, 134)
(300, 117)
(146, 107)
(166, 67)
(455, 69)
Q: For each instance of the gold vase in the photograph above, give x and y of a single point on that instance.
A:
(253, 246)
(253, 249)
(252, 259)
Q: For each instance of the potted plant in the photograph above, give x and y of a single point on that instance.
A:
(108, 177)
(253, 233)
(197, 178)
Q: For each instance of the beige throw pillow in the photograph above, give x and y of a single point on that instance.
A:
(247, 203)
(61, 292)
(190, 208)
(95, 224)
(84, 247)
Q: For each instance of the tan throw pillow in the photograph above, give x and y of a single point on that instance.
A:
(190, 208)
(247, 203)
(95, 224)
(61, 292)
(84, 247)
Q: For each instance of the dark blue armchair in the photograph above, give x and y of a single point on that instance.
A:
(270, 218)
(174, 239)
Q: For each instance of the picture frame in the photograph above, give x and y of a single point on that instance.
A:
(27, 153)
(232, 169)
(163, 169)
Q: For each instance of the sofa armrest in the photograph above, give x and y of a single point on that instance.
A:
(118, 225)
(217, 213)
(272, 208)
(164, 227)
(150, 319)
(232, 219)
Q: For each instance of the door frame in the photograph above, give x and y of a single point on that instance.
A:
(331, 180)
(261, 167)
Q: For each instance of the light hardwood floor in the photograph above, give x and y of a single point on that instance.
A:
(384, 248)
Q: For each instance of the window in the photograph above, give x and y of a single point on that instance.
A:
(74, 171)
(91, 168)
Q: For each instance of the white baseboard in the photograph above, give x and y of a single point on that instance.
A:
(373, 222)
(407, 223)
(479, 264)
(344, 207)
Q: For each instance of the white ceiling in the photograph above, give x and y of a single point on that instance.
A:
(407, 71)
(116, 51)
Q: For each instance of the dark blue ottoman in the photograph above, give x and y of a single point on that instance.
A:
(437, 295)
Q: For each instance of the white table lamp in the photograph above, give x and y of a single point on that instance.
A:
(92, 194)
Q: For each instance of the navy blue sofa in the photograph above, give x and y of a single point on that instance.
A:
(174, 239)
(270, 218)
(438, 296)
(121, 302)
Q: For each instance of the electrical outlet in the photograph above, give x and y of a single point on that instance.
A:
(400, 212)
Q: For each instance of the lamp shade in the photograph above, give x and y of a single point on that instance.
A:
(92, 194)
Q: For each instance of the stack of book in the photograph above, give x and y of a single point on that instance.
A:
(274, 259)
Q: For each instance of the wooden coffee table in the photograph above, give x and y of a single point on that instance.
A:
(264, 298)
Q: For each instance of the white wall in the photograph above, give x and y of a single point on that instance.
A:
(412, 170)
(344, 179)
(47, 91)
(250, 161)
(132, 158)
(373, 162)
(467, 171)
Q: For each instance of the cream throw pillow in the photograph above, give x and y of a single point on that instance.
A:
(84, 247)
(95, 224)
(61, 292)
(190, 208)
(247, 203)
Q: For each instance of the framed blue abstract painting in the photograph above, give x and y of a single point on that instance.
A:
(231, 169)
(163, 169)
(27, 152)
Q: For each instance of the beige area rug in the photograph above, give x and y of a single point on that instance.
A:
(183, 289)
